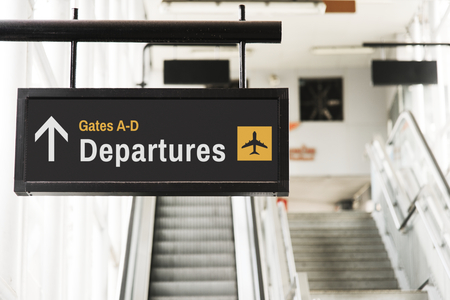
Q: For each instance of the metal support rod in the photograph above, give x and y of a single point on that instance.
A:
(163, 32)
(73, 56)
(242, 75)
(143, 83)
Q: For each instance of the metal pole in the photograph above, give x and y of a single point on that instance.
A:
(73, 56)
(242, 76)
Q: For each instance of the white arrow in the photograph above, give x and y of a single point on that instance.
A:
(51, 125)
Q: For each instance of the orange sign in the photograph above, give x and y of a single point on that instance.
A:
(302, 153)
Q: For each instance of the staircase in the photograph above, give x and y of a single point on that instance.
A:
(193, 253)
(344, 257)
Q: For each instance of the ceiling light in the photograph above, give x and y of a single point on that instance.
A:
(252, 8)
(341, 50)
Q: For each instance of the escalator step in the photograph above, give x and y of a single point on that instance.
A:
(194, 211)
(193, 235)
(193, 260)
(194, 201)
(203, 288)
(204, 247)
(193, 274)
(193, 298)
(190, 223)
(193, 254)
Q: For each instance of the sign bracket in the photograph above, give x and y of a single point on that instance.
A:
(153, 32)
(73, 55)
(242, 75)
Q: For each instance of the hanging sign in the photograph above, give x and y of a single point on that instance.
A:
(152, 142)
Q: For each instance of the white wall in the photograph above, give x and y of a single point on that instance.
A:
(12, 74)
(339, 145)
(60, 247)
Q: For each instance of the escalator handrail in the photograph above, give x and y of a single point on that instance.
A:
(259, 290)
(124, 274)
(293, 277)
(439, 177)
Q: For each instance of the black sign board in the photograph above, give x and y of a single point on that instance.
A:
(196, 71)
(393, 72)
(152, 142)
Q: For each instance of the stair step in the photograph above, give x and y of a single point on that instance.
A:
(193, 235)
(353, 284)
(193, 247)
(201, 288)
(329, 216)
(191, 223)
(307, 266)
(194, 211)
(307, 224)
(335, 240)
(338, 248)
(336, 256)
(351, 275)
(368, 295)
(193, 274)
(193, 260)
(193, 201)
(334, 233)
(340, 251)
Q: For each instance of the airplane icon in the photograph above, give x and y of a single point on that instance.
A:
(254, 143)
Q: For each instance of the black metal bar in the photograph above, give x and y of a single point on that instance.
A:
(390, 45)
(423, 285)
(143, 83)
(405, 221)
(73, 56)
(163, 32)
(411, 209)
(242, 76)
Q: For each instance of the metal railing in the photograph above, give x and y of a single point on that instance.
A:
(280, 276)
(411, 180)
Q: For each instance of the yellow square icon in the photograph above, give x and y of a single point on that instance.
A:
(254, 143)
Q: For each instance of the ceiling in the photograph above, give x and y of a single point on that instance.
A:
(303, 28)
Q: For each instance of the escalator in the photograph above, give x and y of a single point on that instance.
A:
(181, 248)
(193, 249)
